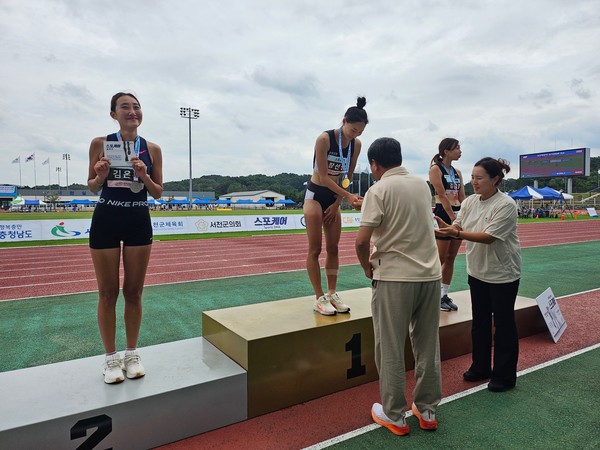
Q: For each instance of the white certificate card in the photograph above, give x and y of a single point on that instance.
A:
(119, 153)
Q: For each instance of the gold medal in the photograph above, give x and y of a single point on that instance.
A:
(345, 183)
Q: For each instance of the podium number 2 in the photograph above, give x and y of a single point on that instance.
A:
(103, 423)
(357, 369)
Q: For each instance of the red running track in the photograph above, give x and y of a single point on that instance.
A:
(28, 272)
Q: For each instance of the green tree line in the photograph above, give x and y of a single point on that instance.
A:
(289, 184)
(292, 185)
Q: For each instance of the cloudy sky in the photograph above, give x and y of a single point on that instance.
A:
(504, 77)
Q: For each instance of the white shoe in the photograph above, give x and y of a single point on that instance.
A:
(112, 369)
(323, 306)
(132, 364)
(337, 303)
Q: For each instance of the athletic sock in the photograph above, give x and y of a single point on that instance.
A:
(445, 288)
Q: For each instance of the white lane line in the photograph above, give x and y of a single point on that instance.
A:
(451, 398)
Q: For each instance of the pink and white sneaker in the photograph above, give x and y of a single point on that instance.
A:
(337, 303)
(323, 306)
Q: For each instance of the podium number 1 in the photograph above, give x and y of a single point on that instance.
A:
(357, 369)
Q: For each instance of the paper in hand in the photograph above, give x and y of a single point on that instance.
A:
(119, 153)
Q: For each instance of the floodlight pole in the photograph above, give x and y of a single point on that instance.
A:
(190, 113)
(58, 171)
(67, 158)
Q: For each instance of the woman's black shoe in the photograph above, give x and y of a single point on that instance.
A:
(469, 375)
(495, 386)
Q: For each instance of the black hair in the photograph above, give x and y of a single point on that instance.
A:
(494, 167)
(447, 145)
(117, 96)
(386, 152)
(357, 113)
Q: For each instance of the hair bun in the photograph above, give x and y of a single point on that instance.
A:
(361, 102)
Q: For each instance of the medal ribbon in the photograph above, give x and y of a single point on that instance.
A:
(136, 149)
(345, 161)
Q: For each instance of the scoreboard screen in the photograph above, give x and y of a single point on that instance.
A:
(563, 163)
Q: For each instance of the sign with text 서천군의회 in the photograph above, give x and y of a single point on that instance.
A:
(66, 228)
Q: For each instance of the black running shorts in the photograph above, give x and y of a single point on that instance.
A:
(442, 214)
(112, 225)
(325, 196)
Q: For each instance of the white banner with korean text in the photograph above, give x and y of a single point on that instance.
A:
(61, 229)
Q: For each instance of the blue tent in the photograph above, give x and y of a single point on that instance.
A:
(34, 203)
(287, 201)
(178, 202)
(77, 201)
(202, 201)
(559, 193)
(526, 193)
(549, 193)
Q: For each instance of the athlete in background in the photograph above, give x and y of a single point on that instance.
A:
(449, 194)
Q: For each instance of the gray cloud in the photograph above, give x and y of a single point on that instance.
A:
(579, 90)
(295, 85)
(71, 91)
(540, 98)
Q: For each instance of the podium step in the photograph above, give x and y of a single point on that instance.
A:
(293, 355)
(190, 388)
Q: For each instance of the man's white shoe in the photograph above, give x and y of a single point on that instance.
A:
(112, 369)
(132, 364)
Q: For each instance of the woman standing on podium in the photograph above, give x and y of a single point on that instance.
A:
(487, 220)
(122, 215)
(334, 161)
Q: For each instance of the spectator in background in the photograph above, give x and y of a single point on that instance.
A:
(405, 272)
(488, 222)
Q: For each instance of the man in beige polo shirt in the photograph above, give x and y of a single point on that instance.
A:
(405, 271)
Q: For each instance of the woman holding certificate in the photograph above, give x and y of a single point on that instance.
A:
(126, 168)
(334, 161)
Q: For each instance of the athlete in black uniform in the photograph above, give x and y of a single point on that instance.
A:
(336, 153)
(449, 194)
(122, 216)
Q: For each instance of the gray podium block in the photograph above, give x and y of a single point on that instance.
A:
(191, 387)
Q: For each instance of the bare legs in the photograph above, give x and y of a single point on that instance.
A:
(106, 264)
(447, 250)
(315, 228)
